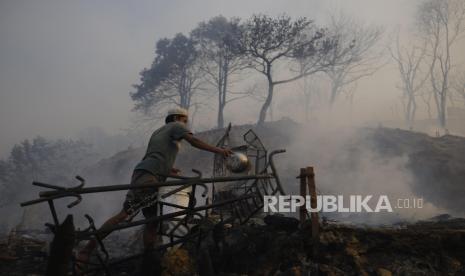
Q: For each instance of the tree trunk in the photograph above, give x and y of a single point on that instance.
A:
(307, 107)
(222, 91)
(427, 102)
(410, 111)
(271, 112)
(220, 119)
(266, 104)
(334, 90)
(414, 110)
(307, 97)
(442, 112)
(184, 92)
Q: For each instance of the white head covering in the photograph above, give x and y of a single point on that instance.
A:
(177, 111)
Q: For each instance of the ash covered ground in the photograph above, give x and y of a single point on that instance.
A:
(279, 247)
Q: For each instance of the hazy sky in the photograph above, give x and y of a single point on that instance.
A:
(67, 65)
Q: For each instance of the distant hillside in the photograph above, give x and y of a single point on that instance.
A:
(438, 164)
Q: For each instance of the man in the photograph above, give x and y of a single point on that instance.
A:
(155, 167)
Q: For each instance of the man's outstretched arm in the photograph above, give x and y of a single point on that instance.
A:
(197, 143)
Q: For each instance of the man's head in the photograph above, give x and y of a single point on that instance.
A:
(177, 115)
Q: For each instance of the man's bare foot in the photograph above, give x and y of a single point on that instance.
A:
(82, 259)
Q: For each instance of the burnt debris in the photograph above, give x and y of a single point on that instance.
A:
(235, 196)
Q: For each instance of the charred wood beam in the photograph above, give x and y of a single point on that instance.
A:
(60, 193)
(273, 169)
(87, 234)
(307, 180)
(313, 202)
(61, 248)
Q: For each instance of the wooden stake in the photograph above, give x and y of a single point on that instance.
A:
(313, 202)
(61, 249)
(303, 193)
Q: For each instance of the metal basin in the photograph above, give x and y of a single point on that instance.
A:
(238, 162)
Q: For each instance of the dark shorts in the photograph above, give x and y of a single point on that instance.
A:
(145, 199)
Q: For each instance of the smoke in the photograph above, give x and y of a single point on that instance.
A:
(347, 162)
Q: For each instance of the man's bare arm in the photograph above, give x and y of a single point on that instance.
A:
(197, 143)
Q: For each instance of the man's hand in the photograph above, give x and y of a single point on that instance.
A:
(175, 171)
(225, 152)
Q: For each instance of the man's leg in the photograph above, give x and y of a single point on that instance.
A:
(85, 252)
(151, 260)
(150, 229)
(150, 235)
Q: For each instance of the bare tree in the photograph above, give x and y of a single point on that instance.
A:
(356, 47)
(426, 96)
(221, 58)
(268, 41)
(441, 22)
(309, 88)
(173, 79)
(458, 85)
(409, 63)
(309, 85)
